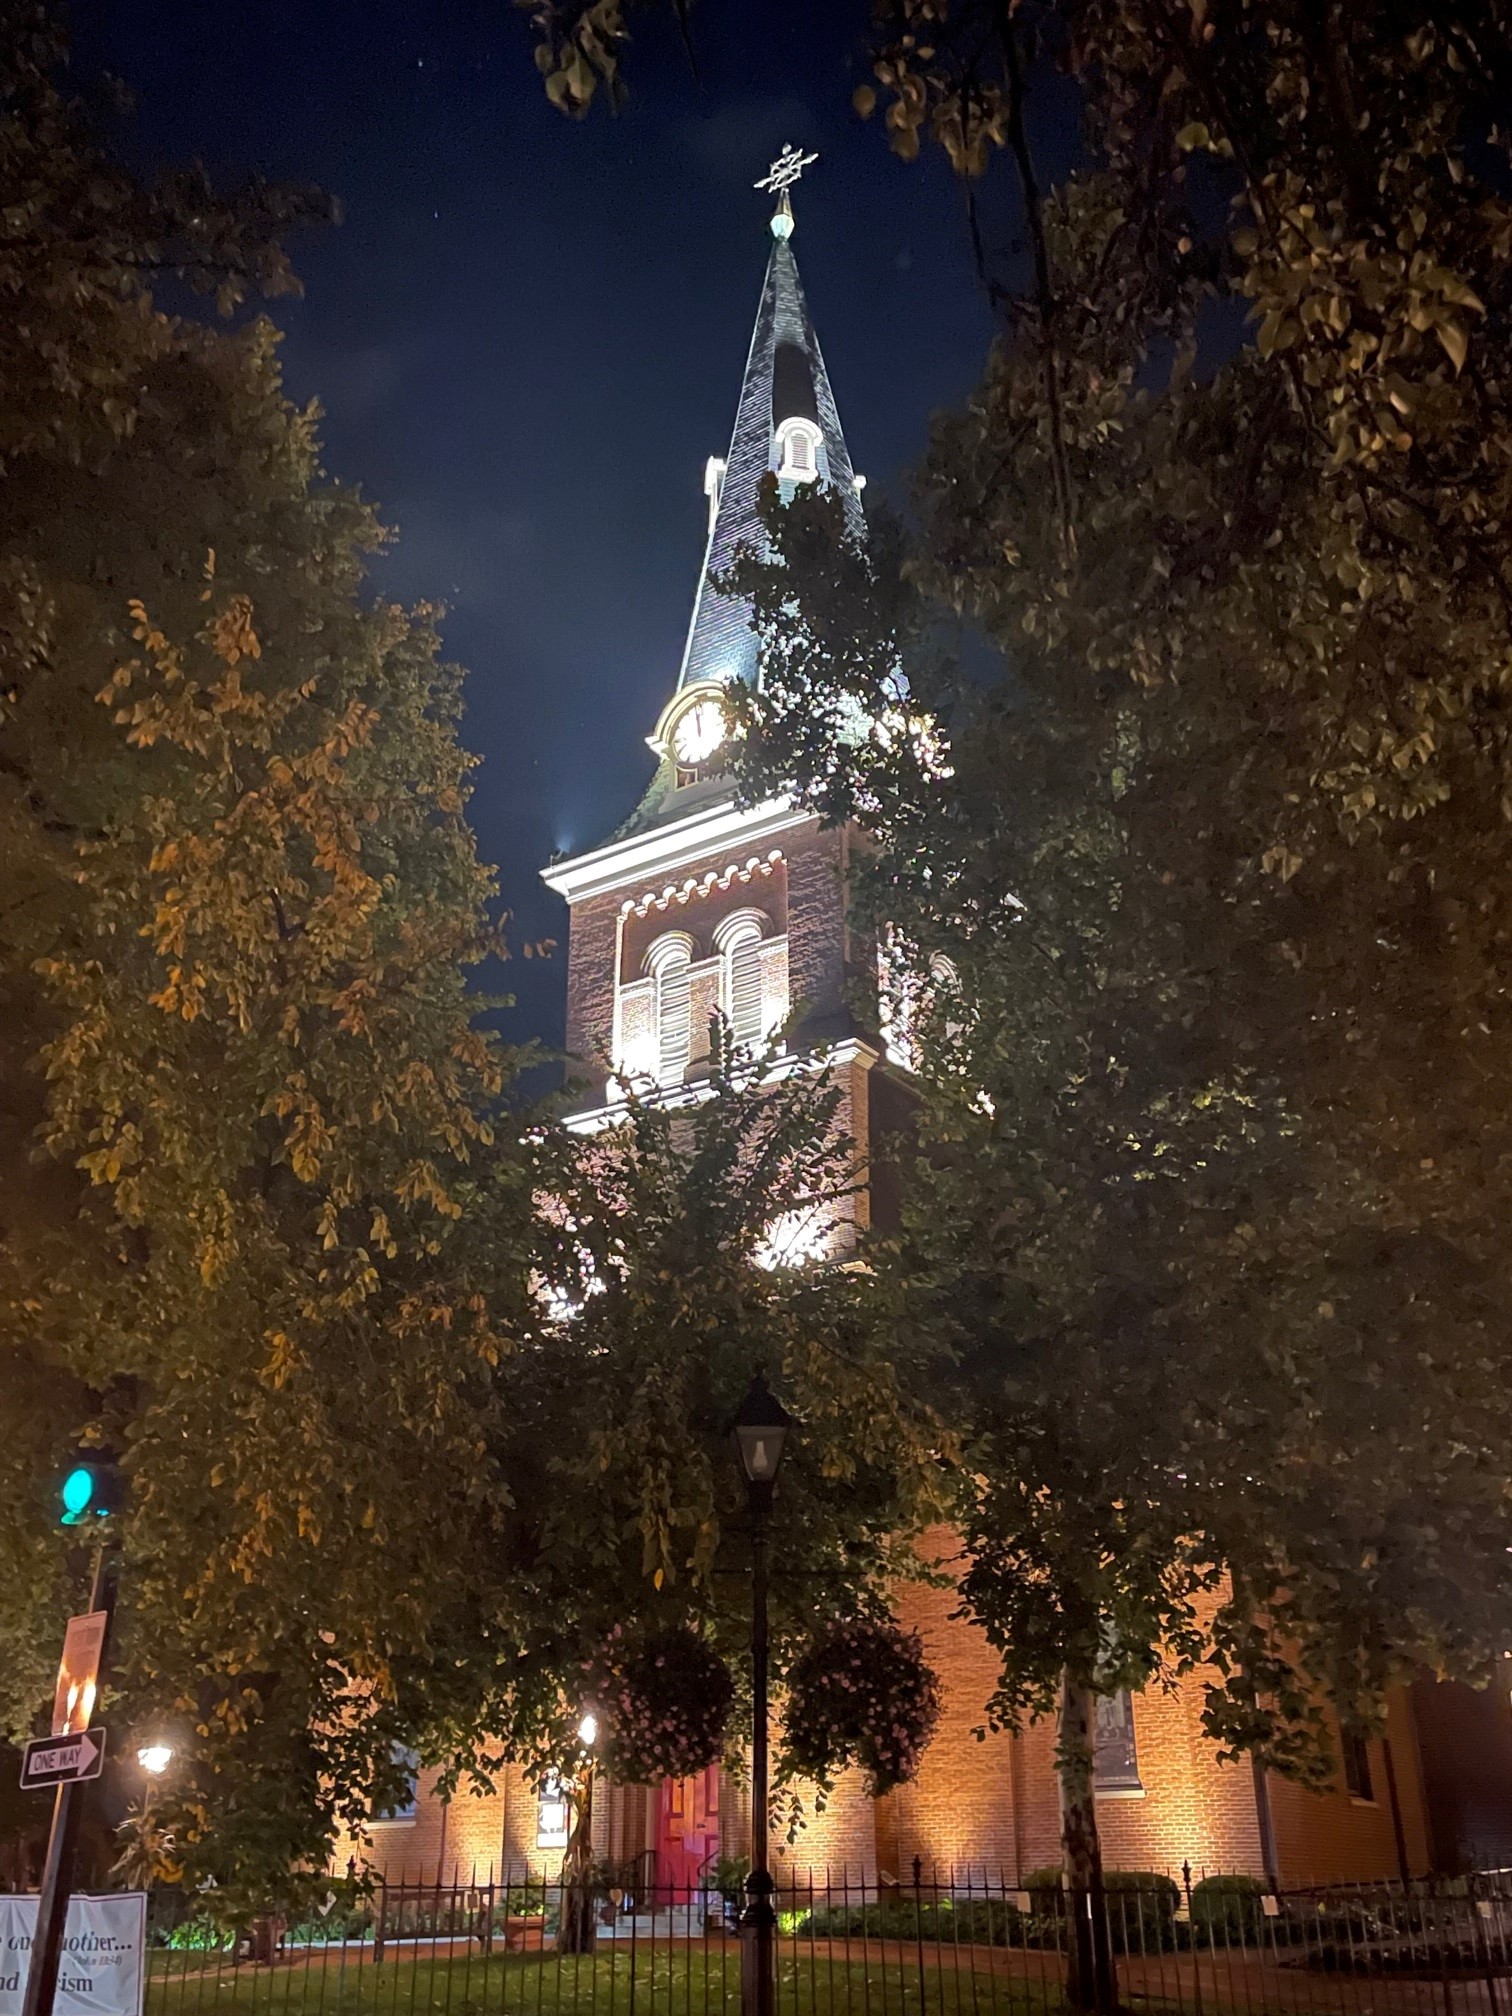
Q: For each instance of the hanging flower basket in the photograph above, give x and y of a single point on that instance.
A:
(862, 1694)
(663, 1703)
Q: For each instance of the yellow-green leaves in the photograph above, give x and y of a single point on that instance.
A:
(260, 1230)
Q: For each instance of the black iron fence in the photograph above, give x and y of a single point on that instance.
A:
(960, 1945)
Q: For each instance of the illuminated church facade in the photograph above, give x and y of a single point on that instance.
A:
(695, 905)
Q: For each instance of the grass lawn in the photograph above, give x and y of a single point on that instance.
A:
(667, 1981)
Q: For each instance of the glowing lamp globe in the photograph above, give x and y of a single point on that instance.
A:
(760, 1430)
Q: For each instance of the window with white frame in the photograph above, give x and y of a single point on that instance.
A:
(742, 993)
(798, 451)
(665, 1004)
(553, 1814)
(909, 1000)
(669, 962)
(405, 1809)
(1115, 1753)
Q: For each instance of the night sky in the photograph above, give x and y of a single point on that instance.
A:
(528, 334)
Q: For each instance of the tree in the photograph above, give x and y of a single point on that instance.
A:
(1266, 616)
(271, 1221)
(1224, 1403)
(662, 1288)
(257, 1230)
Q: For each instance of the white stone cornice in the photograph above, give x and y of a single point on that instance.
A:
(849, 1050)
(664, 849)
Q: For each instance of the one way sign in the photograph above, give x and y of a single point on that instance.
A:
(62, 1760)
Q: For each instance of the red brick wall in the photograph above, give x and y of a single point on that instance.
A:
(1329, 1837)
(816, 923)
(701, 917)
(836, 1846)
(990, 1808)
(447, 1841)
(958, 1816)
(1464, 1738)
(592, 936)
(978, 1811)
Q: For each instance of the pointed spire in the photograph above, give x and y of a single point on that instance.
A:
(786, 424)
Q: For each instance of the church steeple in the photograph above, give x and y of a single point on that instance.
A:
(786, 424)
(701, 906)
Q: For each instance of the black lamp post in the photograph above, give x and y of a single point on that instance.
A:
(760, 1430)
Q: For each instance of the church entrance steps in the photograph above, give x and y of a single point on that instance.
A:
(674, 1921)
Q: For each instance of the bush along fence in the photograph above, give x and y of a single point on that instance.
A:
(961, 1945)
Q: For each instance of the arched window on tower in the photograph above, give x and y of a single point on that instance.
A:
(798, 450)
(944, 996)
(667, 962)
(742, 997)
(913, 1004)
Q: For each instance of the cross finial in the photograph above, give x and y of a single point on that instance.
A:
(785, 170)
(779, 178)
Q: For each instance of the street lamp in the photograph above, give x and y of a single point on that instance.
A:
(155, 1757)
(760, 1432)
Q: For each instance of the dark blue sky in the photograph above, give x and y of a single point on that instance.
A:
(528, 334)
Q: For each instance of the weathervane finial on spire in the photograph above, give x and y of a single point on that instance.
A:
(779, 178)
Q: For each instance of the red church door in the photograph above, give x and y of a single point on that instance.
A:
(687, 1832)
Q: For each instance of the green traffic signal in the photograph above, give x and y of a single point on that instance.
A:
(91, 1489)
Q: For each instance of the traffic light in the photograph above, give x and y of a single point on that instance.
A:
(91, 1488)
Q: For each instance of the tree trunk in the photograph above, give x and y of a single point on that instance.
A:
(577, 1931)
(1091, 1980)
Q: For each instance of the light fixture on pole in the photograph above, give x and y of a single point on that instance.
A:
(760, 1432)
(155, 1757)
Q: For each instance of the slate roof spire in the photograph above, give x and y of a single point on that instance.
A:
(785, 380)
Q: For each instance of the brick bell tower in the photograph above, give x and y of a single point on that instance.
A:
(695, 905)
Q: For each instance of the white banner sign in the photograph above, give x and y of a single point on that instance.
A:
(103, 1969)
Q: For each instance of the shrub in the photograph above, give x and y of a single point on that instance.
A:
(342, 1922)
(970, 1921)
(729, 1877)
(1226, 1911)
(194, 1935)
(1141, 1905)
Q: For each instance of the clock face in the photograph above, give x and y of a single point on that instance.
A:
(699, 732)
